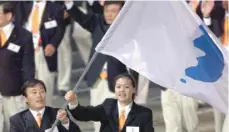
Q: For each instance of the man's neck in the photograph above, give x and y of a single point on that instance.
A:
(5, 25)
(123, 104)
(36, 109)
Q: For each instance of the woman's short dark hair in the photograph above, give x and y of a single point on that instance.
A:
(108, 2)
(31, 84)
(125, 75)
(8, 6)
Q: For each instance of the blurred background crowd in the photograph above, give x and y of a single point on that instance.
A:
(64, 36)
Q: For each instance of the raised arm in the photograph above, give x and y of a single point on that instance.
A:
(83, 113)
(87, 21)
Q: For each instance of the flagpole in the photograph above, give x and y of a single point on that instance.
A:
(77, 88)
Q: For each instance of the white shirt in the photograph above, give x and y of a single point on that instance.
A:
(34, 113)
(207, 21)
(69, 5)
(7, 29)
(104, 69)
(127, 109)
(41, 6)
(91, 2)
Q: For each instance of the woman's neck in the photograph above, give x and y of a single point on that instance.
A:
(123, 104)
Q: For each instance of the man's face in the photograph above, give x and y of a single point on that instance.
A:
(35, 97)
(124, 90)
(5, 18)
(110, 12)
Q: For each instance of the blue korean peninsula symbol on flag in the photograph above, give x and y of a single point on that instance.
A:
(211, 65)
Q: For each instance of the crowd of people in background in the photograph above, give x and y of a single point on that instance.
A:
(36, 60)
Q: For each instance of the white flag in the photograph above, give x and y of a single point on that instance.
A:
(167, 43)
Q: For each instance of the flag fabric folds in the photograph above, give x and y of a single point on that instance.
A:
(169, 44)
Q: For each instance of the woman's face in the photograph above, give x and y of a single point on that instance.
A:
(124, 90)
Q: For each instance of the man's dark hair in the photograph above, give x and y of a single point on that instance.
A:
(8, 6)
(108, 2)
(31, 84)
